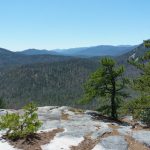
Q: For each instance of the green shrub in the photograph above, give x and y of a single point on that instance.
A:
(145, 117)
(133, 107)
(139, 109)
(21, 126)
(11, 123)
(147, 43)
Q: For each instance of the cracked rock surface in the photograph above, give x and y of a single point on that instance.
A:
(79, 126)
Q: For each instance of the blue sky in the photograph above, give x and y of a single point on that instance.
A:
(51, 24)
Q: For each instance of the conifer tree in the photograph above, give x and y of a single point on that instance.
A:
(107, 83)
(21, 126)
(141, 105)
(142, 83)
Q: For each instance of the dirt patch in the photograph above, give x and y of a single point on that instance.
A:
(64, 116)
(86, 144)
(98, 127)
(112, 133)
(77, 111)
(135, 125)
(138, 127)
(107, 119)
(134, 145)
(113, 126)
(127, 120)
(89, 144)
(35, 142)
(107, 134)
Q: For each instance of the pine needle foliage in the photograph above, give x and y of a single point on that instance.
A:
(107, 83)
(141, 105)
(21, 126)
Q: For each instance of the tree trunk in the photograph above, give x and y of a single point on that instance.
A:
(113, 107)
(113, 103)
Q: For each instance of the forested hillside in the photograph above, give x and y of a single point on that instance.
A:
(57, 83)
(137, 52)
(50, 79)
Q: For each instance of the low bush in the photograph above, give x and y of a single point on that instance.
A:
(145, 117)
(21, 126)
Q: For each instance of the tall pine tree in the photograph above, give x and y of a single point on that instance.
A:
(107, 84)
(141, 105)
(142, 83)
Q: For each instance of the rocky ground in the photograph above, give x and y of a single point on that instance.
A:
(66, 128)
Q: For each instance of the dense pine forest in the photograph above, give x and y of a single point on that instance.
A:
(57, 83)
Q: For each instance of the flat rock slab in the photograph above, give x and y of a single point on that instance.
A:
(142, 137)
(125, 130)
(6, 146)
(54, 114)
(112, 143)
(80, 125)
(5, 111)
(54, 124)
(100, 132)
(62, 143)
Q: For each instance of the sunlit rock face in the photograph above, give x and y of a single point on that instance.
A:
(79, 124)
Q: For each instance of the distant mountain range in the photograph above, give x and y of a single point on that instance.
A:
(102, 50)
(38, 52)
(9, 58)
(30, 56)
